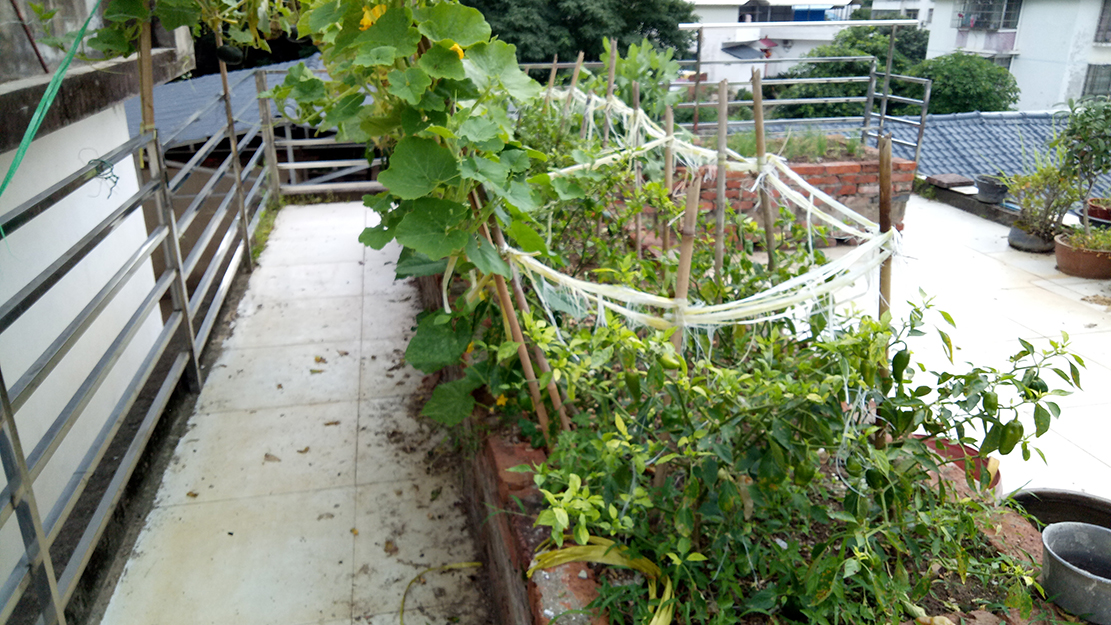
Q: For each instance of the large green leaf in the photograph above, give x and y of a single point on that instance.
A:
(451, 402)
(417, 167)
(413, 263)
(177, 13)
(442, 62)
(326, 14)
(124, 10)
(436, 345)
(519, 195)
(348, 107)
(526, 238)
(455, 22)
(489, 64)
(484, 170)
(370, 57)
(485, 257)
(482, 133)
(409, 85)
(430, 227)
(395, 29)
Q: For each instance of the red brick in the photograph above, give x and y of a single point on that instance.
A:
(868, 189)
(506, 456)
(560, 589)
(870, 167)
(733, 193)
(901, 187)
(842, 167)
(809, 169)
(746, 205)
(736, 174)
(733, 183)
(902, 176)
(820, 180)
(709, 196)
(706, 206)
(860, 178)
(902, 164)
(845, 189)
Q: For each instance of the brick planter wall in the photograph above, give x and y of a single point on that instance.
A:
(854, 184)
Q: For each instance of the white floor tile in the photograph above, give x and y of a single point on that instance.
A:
(405, 528)
(395, 443)
(286, 282)
(390, 316)
(270, 322)
(385, 372)
(263, 452)
(265, 560)
(320, 220)
(331, 248)
(250, 378)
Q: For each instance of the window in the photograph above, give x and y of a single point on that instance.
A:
(1103, 29)
(986, 14)
(759, 13)
(1003, 61)
(930, 16)
(912, 14)
(1099, 80)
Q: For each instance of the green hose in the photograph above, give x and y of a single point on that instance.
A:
(45, 102)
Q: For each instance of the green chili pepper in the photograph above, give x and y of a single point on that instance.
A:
(1012, 434)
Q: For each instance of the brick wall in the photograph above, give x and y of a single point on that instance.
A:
(854, 184)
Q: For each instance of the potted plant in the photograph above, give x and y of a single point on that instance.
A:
(1087, 156)
(1043, 195)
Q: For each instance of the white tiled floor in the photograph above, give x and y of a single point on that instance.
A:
(301, 494)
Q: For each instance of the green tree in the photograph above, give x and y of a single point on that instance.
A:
(966, 82)
(542, 28)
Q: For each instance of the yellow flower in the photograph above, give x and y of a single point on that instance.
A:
(371, 15)
(470, 347)
(501, 400)
(456, 49)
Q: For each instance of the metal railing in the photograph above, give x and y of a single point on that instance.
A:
(310, 176)
(211, 250)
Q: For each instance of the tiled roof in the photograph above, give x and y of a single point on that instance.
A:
(981, 143)
(175, 102)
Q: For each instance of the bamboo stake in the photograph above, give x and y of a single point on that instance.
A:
(723, 133)
(551, 82)
(541, 359)
(686, 251)
(761, 153)
(237, 167)
(885, 219)
(571, 92)
(609, 90)
(669, 170)
(639, 222)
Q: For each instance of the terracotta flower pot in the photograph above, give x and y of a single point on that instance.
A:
(961, 455)
(1100, 208)
(1082, 263)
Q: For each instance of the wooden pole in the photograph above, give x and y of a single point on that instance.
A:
(723, 134)
(885, 219)
(146, 87)
(237, 167)
(551, 82)
(639, 221)
(609, 90)
(571, 93)
(761, 154)
(267, 121)
(697, 78)
(541, 359)
(686, 250)
(669, 171)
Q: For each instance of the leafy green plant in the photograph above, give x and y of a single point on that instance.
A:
(967, 82)
(1044, 194)
(1095, 239)
(1086, 144)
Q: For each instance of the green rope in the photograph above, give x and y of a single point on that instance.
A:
(45, 102)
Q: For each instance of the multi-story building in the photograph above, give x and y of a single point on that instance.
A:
(921, 10)
(1056, 49)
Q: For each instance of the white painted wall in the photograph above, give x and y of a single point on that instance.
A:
(1053, 45)
(28, 251)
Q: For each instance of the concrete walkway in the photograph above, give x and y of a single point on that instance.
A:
(305, 492)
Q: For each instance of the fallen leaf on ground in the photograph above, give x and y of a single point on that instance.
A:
(354, 531)
(390, 548)
(436, 494)
(269, 457)
(321, 360)
(326, 515)
(315, 371)
(191, 495)
(279, 387)
(303, 451)
(343, 352)
(326, 424)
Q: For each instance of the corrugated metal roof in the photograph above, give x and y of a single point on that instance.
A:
(175, 102)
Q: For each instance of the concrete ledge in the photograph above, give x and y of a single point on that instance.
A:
(969, 204)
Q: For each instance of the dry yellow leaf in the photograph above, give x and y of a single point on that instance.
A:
(303, 451)
(390, 548)
(321, 360)
(326, 424)
(269, 457)
(354, 531)
(191, 495)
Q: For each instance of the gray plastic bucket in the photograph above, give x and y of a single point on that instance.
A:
(1076, 569)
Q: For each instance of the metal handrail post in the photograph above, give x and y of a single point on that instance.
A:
(268, 136)
(697, 78)
(27, 514)
(871, 101)
(237, 167)
(171, 249)
(922, 123)
(887, 78)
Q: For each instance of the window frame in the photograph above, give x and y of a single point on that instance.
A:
(1103, 26)
(1098, 75)
(986, 14)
